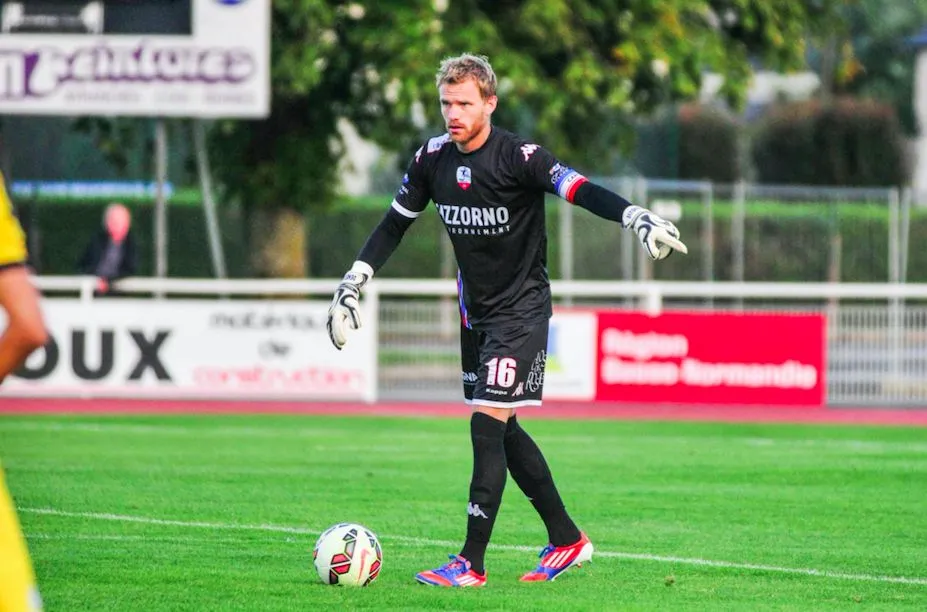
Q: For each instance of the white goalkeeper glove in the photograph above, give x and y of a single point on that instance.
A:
(344, 313)
(658, 236)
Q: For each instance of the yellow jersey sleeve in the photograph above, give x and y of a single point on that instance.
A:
(12, 240)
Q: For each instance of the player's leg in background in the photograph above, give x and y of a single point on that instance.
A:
(25, 327)
(531, 473)
(18, 592)
(529, 468)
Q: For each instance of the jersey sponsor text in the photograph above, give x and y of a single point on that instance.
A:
(475, 220)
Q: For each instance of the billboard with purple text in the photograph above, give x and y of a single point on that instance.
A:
(183, 58)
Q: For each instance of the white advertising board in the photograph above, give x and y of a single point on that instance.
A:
(255, 350)
(571, 356)
(221, 68)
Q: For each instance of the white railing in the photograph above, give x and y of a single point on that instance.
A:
(653, 293)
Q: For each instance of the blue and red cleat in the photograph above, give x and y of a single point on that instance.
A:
(557, 559)
(457, 573)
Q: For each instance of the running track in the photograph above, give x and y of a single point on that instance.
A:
(554, 410)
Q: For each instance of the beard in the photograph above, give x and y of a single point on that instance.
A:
(464, 135)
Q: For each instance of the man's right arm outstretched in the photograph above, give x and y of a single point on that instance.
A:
(411, 199)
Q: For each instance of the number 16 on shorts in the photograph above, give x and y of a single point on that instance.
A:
(504, 367)
(501, 372)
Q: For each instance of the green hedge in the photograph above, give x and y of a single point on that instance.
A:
(691, 141)
(708, 144)
(784, 241)
(58, 233)
(847, 142)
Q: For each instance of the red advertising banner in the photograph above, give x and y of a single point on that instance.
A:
(711, 358)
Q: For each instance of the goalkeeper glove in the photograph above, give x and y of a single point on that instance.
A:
(658, 236)
(344, 313)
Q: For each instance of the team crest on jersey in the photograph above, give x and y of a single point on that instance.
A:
(464, 177)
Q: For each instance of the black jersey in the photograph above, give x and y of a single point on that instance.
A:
(492, 204)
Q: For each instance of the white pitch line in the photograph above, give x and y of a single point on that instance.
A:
(104, 516)
(137, 538)
(449, 544)
(170, 430)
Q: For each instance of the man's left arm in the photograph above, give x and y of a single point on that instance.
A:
(658, 236)
(541, 169)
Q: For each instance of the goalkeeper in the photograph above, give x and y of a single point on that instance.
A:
(488, 186)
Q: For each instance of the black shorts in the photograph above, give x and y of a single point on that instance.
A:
(504, 368)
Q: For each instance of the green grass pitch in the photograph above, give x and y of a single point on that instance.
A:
(220, 513)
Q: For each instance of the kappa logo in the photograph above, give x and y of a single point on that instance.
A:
(475, 510)
(519, 390)
(464, 177)
(528, 150)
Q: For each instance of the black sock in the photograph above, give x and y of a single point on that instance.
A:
(531, 473)
(486, 486)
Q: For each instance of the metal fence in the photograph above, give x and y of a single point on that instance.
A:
(751, 232)
(735, 232)
(877, 355)
(756, 233)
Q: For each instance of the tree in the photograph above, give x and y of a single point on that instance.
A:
(329, 60)
(878, 61)
(569, 70)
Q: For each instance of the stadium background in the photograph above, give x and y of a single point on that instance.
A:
(198, 489)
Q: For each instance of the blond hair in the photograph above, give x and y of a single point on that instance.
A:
(458, 69)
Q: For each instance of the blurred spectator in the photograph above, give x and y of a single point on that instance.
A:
(111, 253)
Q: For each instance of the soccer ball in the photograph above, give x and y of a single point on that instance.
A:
(347, 554)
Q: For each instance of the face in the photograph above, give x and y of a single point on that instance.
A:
(118, 221)
(466, 113)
